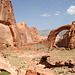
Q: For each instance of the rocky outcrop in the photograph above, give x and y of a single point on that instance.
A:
(53, 63)
(6, 12)
(28, 34)
(49, 62)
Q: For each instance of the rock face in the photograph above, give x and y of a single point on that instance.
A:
(28, 34)
(9, 33)
(35, 34)
(6, 12)
(5, 34)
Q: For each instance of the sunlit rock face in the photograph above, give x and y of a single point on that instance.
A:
(6, 12)
(28, 34)
(9, 33)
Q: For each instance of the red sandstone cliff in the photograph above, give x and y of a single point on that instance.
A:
(6, 12)
(12, 33)
(9, 33)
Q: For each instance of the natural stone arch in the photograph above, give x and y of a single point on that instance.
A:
(54, 33)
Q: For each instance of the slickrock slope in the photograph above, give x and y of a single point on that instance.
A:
(28, 34)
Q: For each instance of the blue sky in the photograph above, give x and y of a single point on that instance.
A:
(44, 14)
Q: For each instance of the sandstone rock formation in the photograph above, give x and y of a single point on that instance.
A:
(5, 65)
(54, 33)
(71, 41)
(60, 63)
(9, 33)
(12, 34)
(5, 34)
(49, 62)
(35, 34)
(33, 72)
(28, 34)
(68, 38)
(6, 12)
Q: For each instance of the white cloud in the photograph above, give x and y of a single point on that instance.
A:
(71, 10)
(45, 15)
(57, 13)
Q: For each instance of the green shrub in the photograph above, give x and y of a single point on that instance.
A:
(4, 73)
